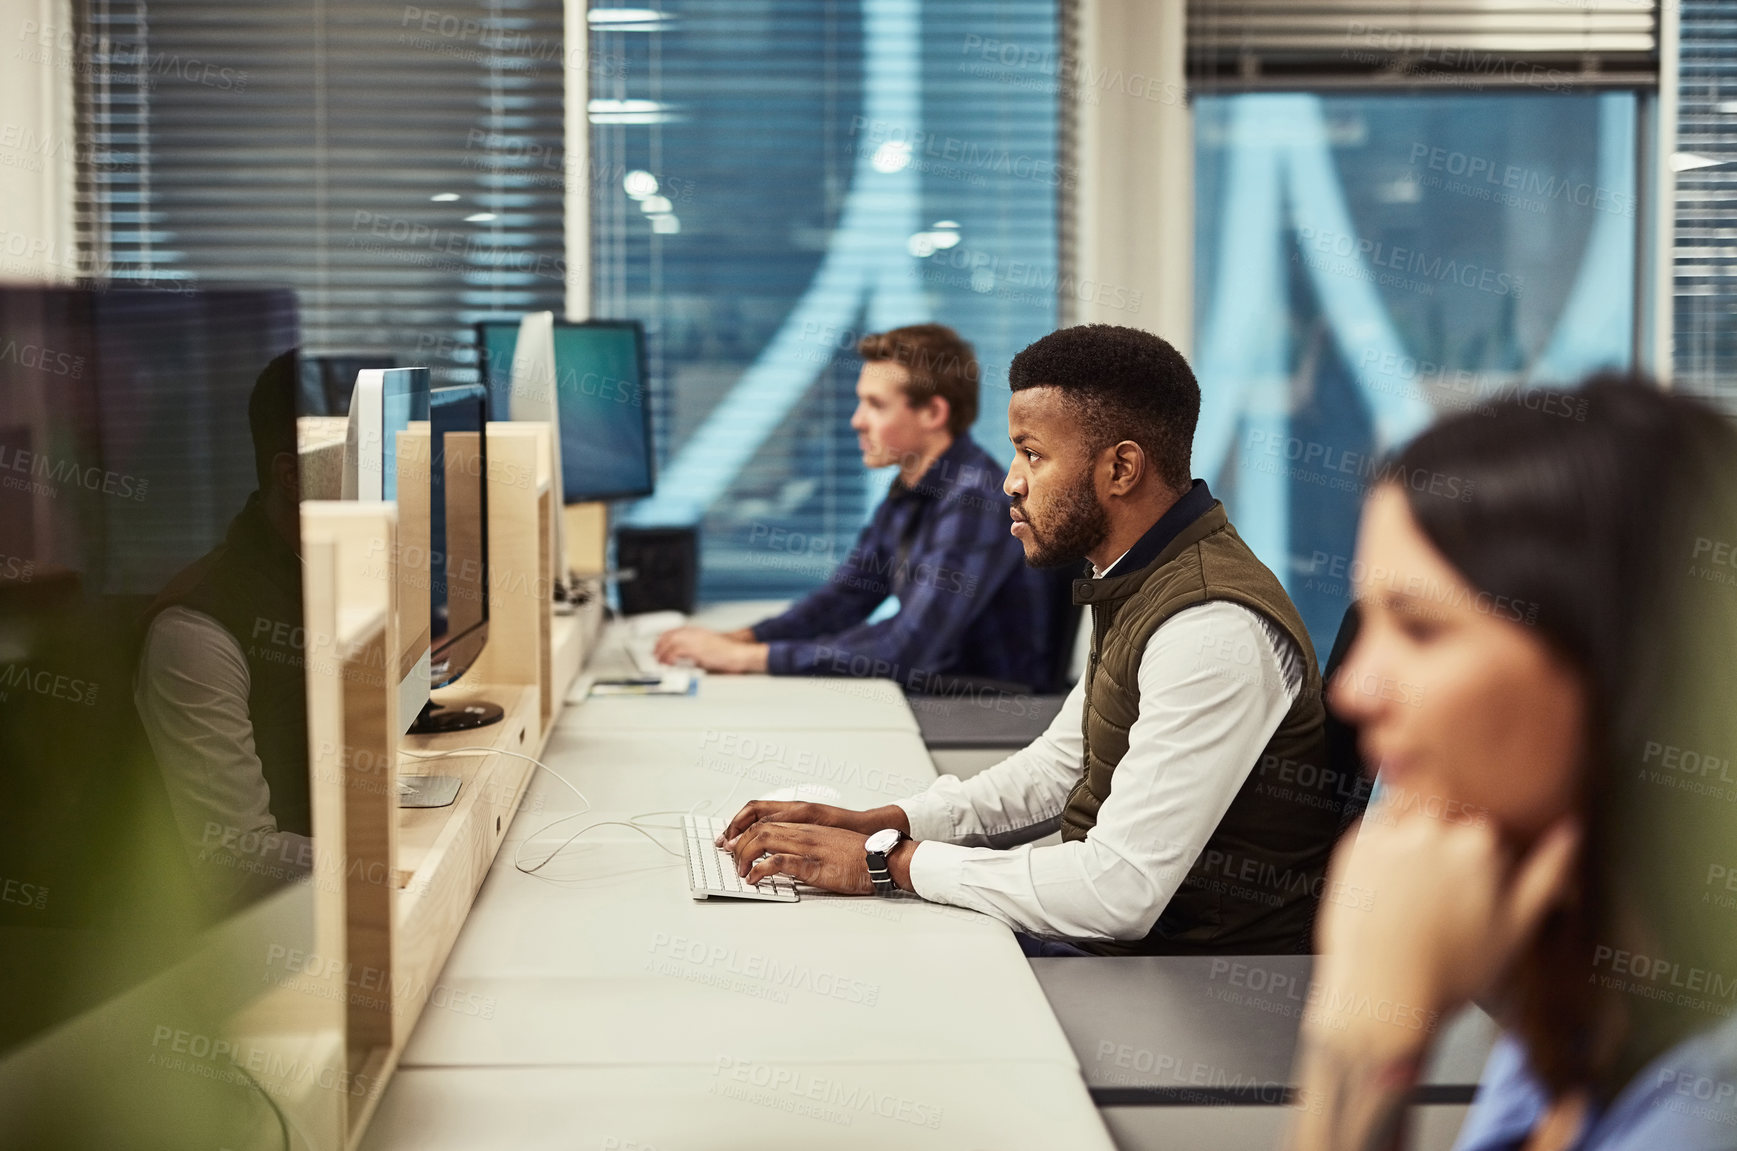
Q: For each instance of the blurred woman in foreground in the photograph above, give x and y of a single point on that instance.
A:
(1549, 595)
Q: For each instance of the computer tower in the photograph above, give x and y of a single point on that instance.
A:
(665, 567)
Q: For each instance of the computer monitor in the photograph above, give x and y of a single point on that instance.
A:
(388, 408)
(600, 403)
(459, 546)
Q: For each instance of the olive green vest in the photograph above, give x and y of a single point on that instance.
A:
(1254, 888)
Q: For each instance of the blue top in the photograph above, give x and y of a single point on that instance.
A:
(968, 604)
(1685, 1100)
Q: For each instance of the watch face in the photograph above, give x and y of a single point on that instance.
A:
(883, 840)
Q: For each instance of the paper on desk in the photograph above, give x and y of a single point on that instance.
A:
(677, 681)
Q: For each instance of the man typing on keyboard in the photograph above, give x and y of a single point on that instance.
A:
(1185, 771)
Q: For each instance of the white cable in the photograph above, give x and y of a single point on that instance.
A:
(631, 822)
(518, 863)
(502, 751)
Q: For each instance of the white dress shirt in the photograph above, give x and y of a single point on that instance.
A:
(191, 693)
(1216, 680)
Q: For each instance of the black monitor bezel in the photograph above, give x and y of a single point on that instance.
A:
(638, 329)
(460, 651)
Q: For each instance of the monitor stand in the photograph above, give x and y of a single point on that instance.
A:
(437, 718)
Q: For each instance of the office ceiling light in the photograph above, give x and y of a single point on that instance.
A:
(444, 197)
(945, 234)
(654, 205)
(1689, 161)
(479, 217)
(666, 224)
(627, 20)
(639, 184)
(629, 112)
(893, 156)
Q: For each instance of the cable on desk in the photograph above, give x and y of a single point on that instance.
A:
(283, 1126)
(532, 870)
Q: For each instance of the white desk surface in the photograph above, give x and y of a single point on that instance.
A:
(735, 1103)
(782, 703)
(629, 969)
(718, 768)
(597, 1000)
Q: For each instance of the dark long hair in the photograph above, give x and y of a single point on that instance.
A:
(1609, 512)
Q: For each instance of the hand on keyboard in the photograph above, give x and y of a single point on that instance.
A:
(712, 872)
(830, 858)
(819, 814)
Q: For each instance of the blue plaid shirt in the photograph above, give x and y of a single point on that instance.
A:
(968, 604)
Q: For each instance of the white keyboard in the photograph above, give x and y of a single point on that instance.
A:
(712, 870)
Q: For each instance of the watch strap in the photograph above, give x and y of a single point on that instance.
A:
(880, 874)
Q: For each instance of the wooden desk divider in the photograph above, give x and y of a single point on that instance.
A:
(351, 599)
(410, 875)
(522, 508)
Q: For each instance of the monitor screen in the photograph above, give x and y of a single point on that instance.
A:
(604, 415)
(458, 529)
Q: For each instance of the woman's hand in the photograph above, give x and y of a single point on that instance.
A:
(1419, 916)
(1427, 911)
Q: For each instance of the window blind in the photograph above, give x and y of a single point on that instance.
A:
(1704, 337)
(1543, 44)
(399, 165)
